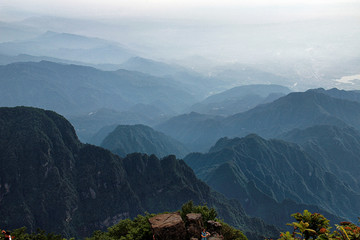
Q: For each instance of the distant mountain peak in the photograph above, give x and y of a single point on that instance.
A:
(126, 139)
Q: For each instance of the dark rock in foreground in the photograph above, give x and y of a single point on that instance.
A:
(170, 226)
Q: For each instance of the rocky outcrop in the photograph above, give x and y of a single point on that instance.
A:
(216, 237)
(170, 226)
(194, 224)
(213, 227)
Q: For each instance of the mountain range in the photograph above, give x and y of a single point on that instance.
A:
(351, 95)
(74, 89)
(337, 149)
(69, 46)
(196, 131)
(196, 83)
(126, 139)
(94, 126)
(50, 180)
(295, 110)
(240, 74)
(273, 178)
(152, 67)
(240, 99)
(7, 59)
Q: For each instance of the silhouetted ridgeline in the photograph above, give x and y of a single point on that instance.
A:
(240, 99)
(74, 89)
(295, 110)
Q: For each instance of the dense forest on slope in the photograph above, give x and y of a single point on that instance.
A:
(336, 148)
(273, 178)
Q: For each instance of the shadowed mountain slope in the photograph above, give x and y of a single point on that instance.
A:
(263, 173)
(49, 180)
(352, 95)
(295, 110)
(337, 148)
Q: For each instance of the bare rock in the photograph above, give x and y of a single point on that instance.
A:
(194, 224)
(216, 236)
(168, 226)
(214, 228)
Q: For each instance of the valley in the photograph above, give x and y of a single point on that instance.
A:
(114, 115)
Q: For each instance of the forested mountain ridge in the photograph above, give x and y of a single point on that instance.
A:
(295, 110)
(264, 174)
(336, 148)
(52, 181)
(351, 95)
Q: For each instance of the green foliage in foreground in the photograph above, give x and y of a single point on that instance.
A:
(315, 226)
(207, 214)
(139, 228)
(308, 226)
(228, 232)
(21, 234)
(231, 233)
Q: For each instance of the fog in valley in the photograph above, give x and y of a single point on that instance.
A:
(310, 43)
(114, 108)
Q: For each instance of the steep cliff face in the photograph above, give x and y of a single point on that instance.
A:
(37, 156)
(49, 180)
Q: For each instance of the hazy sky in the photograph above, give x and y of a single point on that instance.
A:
(221, 10)
(309, 37)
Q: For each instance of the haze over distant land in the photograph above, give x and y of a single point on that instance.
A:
(313, 43)
(261, 100)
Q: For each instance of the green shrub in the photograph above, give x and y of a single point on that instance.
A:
(207, 214)
(231, 233)
(316, 226)
(21, 234)
(137, 229)
(227, 231)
